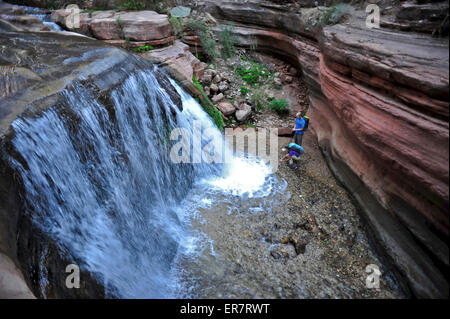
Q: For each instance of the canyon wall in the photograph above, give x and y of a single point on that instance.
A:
(379, 107)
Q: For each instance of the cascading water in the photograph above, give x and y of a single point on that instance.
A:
(100, 181)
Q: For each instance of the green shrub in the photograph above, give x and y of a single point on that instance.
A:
(228, 40)
(203, 32)
(143, 48)
(133, 5)
(253, 74)
(177, 25)
(209, 106)
(92, 10)
(244, 90)
(120, 25)
(258, 99)
(334, 14)
(279, 106)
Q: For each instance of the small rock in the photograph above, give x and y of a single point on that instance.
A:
(277, 81)
(292, 71)
(223, 87)
(207, 90)
(206, 78)
(214, 88)
(288, 79)
(217, 79)
(278, 253)
(300, 248)
(217, 98)
(244, 113)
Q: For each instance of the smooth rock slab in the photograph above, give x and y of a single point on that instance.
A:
(112, 25)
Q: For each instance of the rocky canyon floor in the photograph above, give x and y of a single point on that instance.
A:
(305, 240)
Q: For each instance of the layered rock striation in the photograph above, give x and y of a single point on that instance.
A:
(379, 107)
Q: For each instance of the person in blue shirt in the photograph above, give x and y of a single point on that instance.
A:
(293, 153)
(299, 127)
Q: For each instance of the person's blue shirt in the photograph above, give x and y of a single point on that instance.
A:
(300, 124)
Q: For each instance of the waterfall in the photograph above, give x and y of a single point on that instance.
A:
(99, 180)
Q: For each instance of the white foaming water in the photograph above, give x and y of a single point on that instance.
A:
(243, 176)
(42, 15)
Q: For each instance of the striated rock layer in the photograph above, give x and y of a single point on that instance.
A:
(380, 105)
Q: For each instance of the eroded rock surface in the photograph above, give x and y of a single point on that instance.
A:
(179, 62)
(379, 107)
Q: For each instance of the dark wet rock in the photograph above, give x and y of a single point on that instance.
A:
(13, 18)
(279, 253)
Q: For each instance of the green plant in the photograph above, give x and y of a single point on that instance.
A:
(258, 99)
(143, 48)
(120, 25)
(177, 25)
(244, 90)
(206, 40)
(279, 106)
(133, 5)
(228, 40)
(209, 106)
(253, 74)
(334, 14)
(92, 10)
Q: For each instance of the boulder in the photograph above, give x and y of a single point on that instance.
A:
(217, 98)
(243, 113)
(217, 79)
(180, 63)
(136, 26)
(226, 108)
(214, 88)
(223, 86)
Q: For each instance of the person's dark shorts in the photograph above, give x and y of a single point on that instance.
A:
(298, 139)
